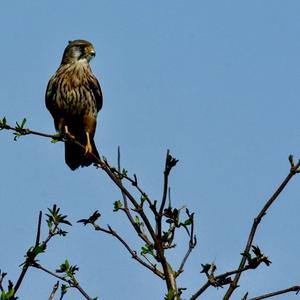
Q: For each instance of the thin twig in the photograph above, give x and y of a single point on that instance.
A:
(164, 196)
(2, 275)
(133, 253)
(139, 209)
(38, 235)
(295, 288)
(192, 245)
(134, 182)
(126, 209)
(72, 284)
(27, 264)
(28, 131)
(54, 289)
(216, 278)
(201, 290)
(257, 220)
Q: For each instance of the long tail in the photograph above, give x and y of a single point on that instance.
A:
(75, 156)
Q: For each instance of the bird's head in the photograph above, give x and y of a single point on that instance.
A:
(78, 50)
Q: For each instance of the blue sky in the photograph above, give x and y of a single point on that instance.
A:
(217, 82)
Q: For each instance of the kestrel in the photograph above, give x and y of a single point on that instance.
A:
(74, 98)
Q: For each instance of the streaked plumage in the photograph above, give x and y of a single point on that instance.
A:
(74, 98)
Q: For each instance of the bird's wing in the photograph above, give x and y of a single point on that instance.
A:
(96, 89)
(50, 91)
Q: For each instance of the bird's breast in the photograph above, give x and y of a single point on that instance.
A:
(74, 96)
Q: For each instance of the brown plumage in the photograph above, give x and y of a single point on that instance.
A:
(74, 98)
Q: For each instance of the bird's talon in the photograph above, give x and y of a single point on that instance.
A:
(88, 149)
(68, 134)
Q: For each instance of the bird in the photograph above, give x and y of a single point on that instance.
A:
(74, 98)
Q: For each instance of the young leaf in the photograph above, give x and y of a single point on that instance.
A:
(118, 205)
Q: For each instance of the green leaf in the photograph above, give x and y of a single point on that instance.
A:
(63, 267)
(56, 138)
(55, 217)
(64, 289)
(118, 205)
(144, 198)
(188, 222)
(137, 220)
(10, 293)
(23, 122)
(3, 123)
(3, 296)
(16, 136)
(147, 250)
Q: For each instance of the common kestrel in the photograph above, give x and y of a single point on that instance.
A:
(74, 98)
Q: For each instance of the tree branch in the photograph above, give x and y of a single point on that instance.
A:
(217, 280)
(294, 169)
(27, 262)
(132, 252)
(192, 245)
(126, 209)
(54, 289)
(295, 288)
(156, 237)
(72, 284)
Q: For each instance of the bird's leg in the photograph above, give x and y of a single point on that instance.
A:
(88, 147)
(68, 134)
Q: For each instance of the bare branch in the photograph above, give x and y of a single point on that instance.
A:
(38, 235)
(192, 245)
(221, 280)
(293, 170)
(54, 289)
(133, 253)
(126, 208)
(2, 275)
(27, 264)
(295, 288)
(164, 196)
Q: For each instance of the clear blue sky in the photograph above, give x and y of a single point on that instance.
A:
(217, 82)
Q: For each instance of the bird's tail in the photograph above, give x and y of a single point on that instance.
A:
(75, 155)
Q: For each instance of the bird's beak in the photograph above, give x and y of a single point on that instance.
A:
(91, 51)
